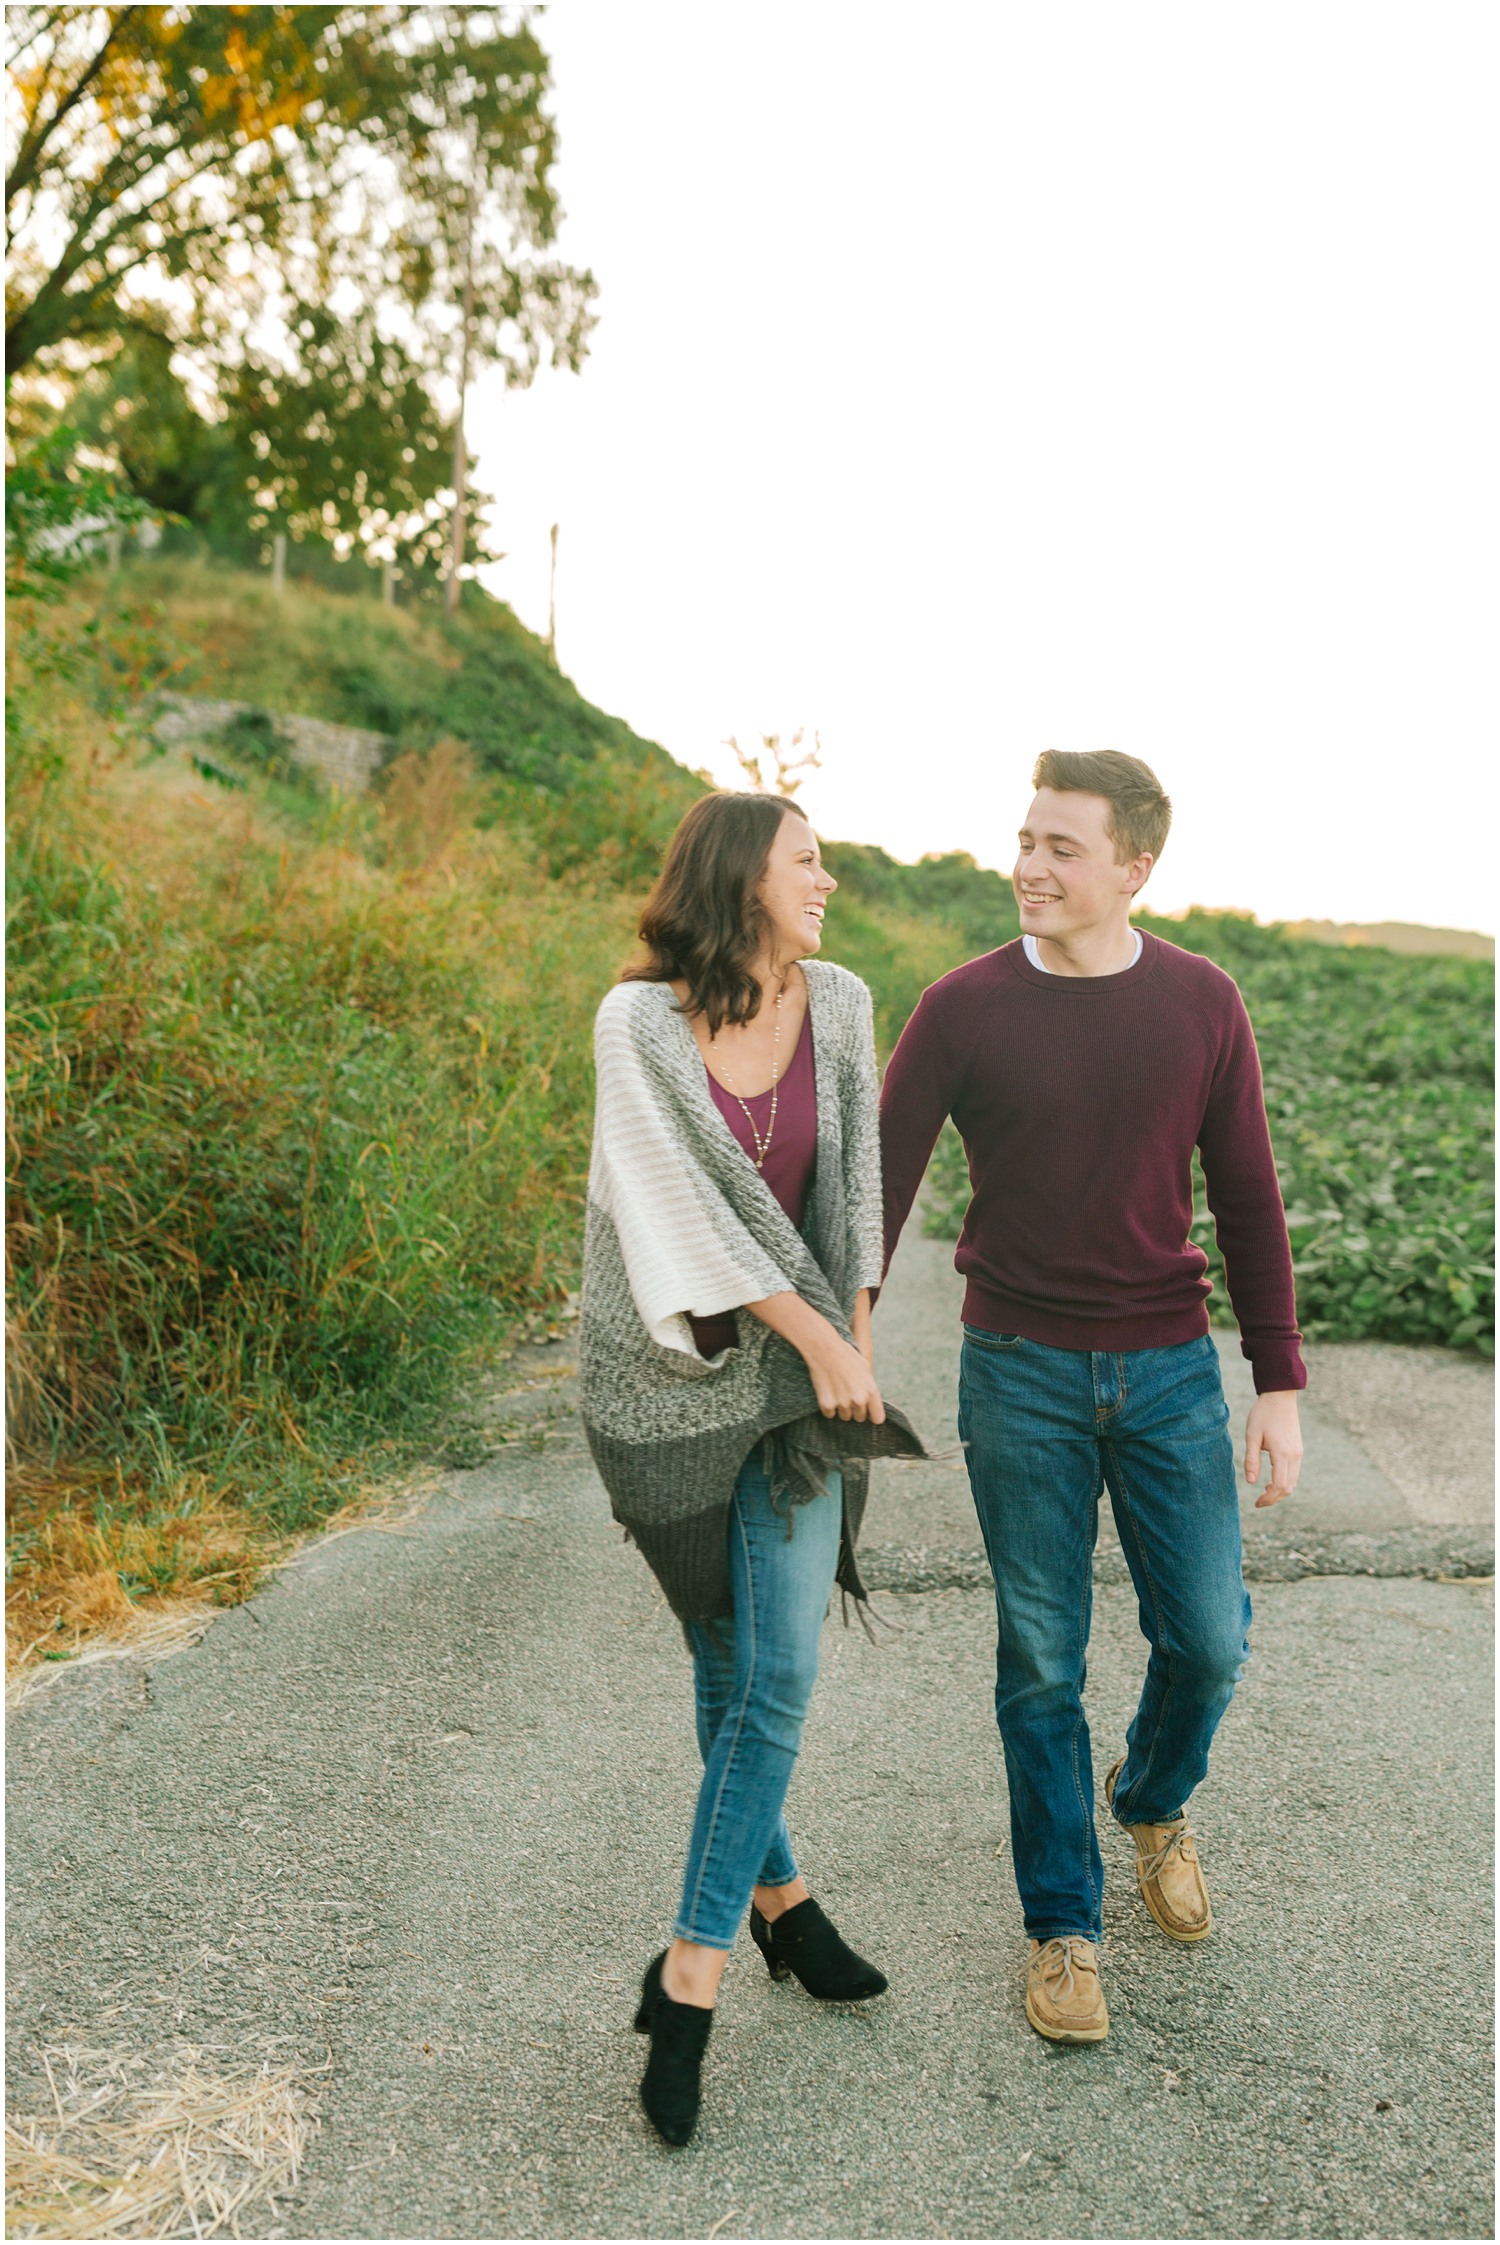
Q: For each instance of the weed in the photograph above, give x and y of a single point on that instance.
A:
(297, 1121)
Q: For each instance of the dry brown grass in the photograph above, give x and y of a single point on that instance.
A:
(66, 1607)
(427, 802)
(94, 1563)
(135, 2147)
(149, 1634)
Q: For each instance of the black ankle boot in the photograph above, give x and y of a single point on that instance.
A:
(679, 2037)
(803, 1941)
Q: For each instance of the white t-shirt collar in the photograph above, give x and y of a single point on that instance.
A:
(1032, 949)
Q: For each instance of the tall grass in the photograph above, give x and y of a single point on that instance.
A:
(297, 1117)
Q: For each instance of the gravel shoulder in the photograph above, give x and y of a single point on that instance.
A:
(421, 1806)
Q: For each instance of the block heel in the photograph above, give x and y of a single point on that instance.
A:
(804, 1943)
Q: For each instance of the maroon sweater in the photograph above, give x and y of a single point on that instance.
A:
(1079, 1100)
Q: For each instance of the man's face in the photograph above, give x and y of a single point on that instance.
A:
(1067, 877)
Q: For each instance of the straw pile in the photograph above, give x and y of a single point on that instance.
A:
(136, 2147)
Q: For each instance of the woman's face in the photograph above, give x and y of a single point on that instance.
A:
(793, 890)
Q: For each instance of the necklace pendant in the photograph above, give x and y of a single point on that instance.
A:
(762, 1145)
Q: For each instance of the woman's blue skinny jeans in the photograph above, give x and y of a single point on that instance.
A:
(753, 1678)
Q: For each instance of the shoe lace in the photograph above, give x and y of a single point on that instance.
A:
(1178, 1842)
(1056, 1962)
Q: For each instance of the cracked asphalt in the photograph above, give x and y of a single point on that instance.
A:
(420, 1807)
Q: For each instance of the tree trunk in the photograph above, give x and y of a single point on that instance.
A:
(460, 452)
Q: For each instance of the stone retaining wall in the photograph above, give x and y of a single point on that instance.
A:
(342, 758)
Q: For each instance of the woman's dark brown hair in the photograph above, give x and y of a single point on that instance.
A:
(703, 922)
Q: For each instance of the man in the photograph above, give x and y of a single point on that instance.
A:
(1082, 1064)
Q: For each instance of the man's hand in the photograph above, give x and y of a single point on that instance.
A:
(1273, 1426)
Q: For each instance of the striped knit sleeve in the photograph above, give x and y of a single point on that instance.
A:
(685, 1252)
(861, 1133)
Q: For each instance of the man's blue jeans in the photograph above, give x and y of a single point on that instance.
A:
(1046, 1431)
(753, 1679)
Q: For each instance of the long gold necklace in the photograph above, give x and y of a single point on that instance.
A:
(762, 1145)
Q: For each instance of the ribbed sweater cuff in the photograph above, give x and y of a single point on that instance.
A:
(1277, 1366)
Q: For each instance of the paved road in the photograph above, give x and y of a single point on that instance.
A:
(423, 1802)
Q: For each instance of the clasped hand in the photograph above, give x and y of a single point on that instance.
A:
(843, 1382)
(841, 1372)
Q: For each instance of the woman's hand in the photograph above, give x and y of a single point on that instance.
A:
(842, 1380)
(859, 1326)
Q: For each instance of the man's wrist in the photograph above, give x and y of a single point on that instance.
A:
(1278, 1371)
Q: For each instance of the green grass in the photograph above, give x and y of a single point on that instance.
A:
(581, 787)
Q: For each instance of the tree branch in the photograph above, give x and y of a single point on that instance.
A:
(83, 251)
(28, 156)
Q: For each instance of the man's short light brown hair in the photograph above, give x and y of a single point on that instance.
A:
(1140, 810)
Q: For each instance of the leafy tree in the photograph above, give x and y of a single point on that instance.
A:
(346, 445)
(132, 408)
(186, 168)
(322, 215)
(56, 510)
(335, 439)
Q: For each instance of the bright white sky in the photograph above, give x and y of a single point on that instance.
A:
(976, 379)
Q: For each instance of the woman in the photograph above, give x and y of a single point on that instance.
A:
(733, 1242)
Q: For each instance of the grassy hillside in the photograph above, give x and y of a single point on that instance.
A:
(586, 790)
(299, 1091)
(298, 1101)
(576, 789)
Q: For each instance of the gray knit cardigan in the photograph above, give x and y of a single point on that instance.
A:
(679, 1222)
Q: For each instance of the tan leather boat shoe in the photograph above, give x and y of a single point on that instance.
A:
(1064, 2000)
(1168, 1873)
